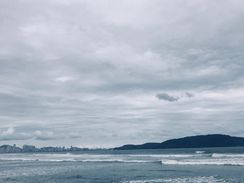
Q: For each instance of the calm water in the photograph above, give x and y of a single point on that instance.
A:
(217, 165)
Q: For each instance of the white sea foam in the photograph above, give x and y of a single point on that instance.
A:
(218, 155)
(74, 157)
(199, 152)
(117, 160)
(210, 179)
(166, 155)
(232, 162)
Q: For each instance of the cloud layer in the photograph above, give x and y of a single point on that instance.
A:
(86, 73)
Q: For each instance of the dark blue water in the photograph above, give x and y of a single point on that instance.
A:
(153, 166)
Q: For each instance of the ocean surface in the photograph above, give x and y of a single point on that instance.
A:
(208, 165)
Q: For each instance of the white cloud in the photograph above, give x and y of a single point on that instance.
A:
(63, 79)
(9, 131)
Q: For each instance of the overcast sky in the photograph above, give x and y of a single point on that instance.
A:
(105, 73)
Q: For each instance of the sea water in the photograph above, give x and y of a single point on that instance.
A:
(209, 165)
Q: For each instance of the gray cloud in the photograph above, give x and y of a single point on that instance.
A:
(189, 94)
(86, 73)
(170, 98)
(165, 96)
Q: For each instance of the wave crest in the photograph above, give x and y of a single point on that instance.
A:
(211, 179)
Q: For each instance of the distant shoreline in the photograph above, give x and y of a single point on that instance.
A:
(33, 149)
(198, 141)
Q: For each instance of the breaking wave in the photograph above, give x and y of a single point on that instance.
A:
(165, 159)
(199, 152)
(75, 157)
(230, 162)
(211, 179)
(218, 155)
(169, 155)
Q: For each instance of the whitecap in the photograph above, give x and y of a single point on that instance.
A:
(199, 179)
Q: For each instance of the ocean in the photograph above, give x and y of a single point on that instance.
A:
(208, 165)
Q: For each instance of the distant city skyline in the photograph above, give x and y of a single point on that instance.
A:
(105, 73)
